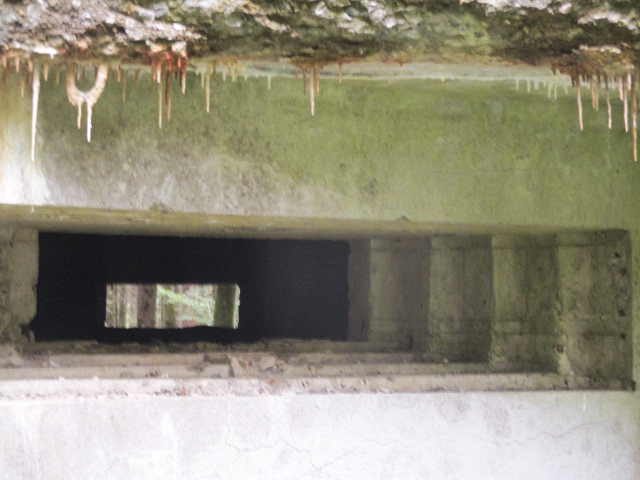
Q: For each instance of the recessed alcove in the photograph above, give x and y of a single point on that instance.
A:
(495, 311)
(290, 288)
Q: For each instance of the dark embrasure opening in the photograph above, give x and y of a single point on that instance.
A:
(290, 288)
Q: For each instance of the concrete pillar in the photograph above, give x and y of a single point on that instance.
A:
(524, 331)
(461, 298)
(225, 305)
(359, 289)
(399, 293)
(595, 293)
(18, 279)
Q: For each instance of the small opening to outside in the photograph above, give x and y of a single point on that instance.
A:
(290, 289)
(155, 305)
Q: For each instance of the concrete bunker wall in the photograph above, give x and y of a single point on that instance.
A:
(425, 158)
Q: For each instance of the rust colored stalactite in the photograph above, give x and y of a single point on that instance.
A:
(627, 84)
(153, 69)
(634, 117)
(304, 81)
(606, 86)
(312, 98)
(183, 78)
(579, 99)
(77, 97)
(23, 84)
(598, 91)
(34, 111)
(620, 89)
(207, 87)
(160, 103)
(167, 95)
(124, 87)
(626, 105)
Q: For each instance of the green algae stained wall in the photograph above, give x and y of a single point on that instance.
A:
(474, 154)
(470, 153)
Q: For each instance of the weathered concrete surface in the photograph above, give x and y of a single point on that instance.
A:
(440, 435)
(424, 151)
(461, 298)
(525, 282)
(18, 278)
(592, 328)
(399, 292)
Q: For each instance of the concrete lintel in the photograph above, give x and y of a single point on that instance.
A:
(524, 241)
(589, 239)
(467, 242)
(160, 222)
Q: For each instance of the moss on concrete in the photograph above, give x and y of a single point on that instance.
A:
(426, 150)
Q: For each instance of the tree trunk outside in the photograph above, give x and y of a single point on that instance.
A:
(121, 292)
(168, 310)
(146, 301)
(131, 315)
(224, 314)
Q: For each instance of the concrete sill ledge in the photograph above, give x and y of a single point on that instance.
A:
(263, 373)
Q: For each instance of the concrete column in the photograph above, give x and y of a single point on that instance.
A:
(18, 279)
(399, 293)
(461, 298)
(524, 333)
(595, 293)
(359, 279)
(225, 306)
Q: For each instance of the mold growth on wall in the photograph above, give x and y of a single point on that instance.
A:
(579, 38)
(258, 150)
(601, 69)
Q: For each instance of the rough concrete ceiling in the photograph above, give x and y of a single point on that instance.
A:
(449, 31)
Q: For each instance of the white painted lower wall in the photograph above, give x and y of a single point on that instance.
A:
(525, 435)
